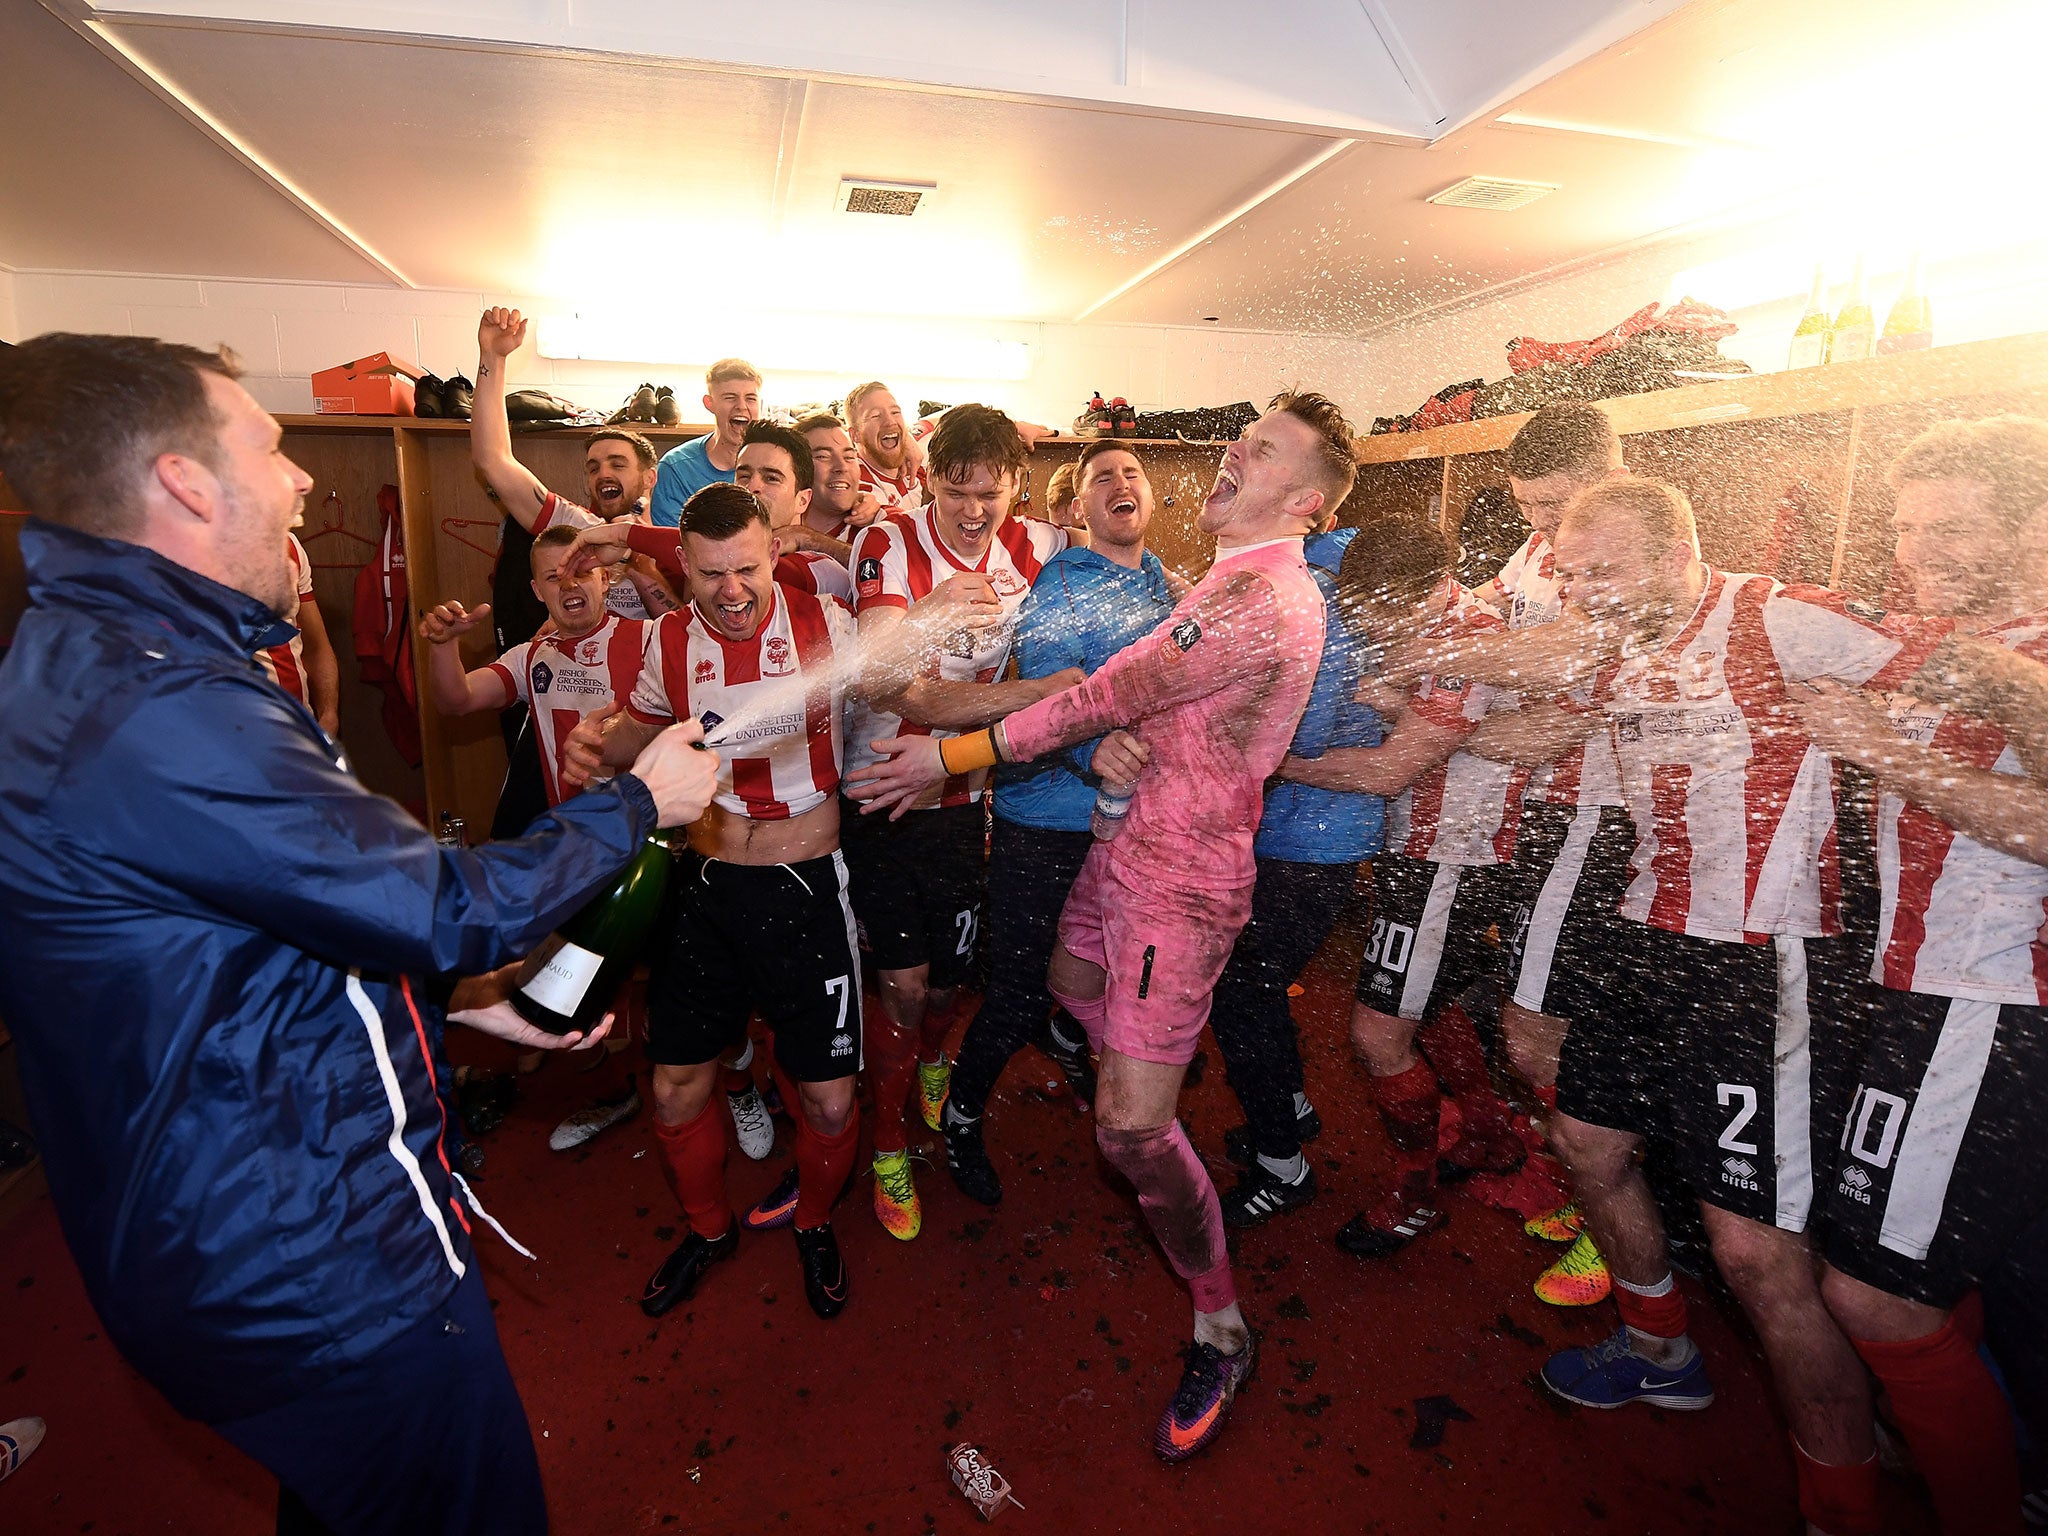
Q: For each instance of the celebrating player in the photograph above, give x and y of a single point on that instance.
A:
(1308, 851)
(1215, 693)
(839, 507)
(732, 394)
(1086, 605)
(760, 919)
(1441, 884)
(1733, 905)
(1926, 1192)
(618, 467)
(918, 883)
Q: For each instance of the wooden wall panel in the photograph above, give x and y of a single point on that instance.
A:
(348, 470)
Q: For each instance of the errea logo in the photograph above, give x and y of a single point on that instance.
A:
(1855, 1183)
(1741, 1173)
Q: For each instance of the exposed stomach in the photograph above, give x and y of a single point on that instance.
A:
(723, 834)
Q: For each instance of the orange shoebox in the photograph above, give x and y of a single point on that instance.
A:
(377, 385)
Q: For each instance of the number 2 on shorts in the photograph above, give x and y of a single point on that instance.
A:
(1743, 1094)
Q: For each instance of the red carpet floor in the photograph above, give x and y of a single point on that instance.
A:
(1043, 1330)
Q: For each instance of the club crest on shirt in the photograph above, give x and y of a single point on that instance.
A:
(775, 652)
(704, 671)
(543, 677)
(588, 651)
(1696, 680)
(869, 577)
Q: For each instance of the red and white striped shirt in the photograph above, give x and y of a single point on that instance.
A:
(562, 680)
(286, 663)
(1468, 809)
(820, 575)
(1959, 919)
(1528, 592)
(900, 558)
(770, 705)
(1734, 806)
(622, 597)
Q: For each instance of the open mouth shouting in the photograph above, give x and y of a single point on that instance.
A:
(611, 496)
(574, 605)
(1224, 491)
(1124, 506)
(735, 618)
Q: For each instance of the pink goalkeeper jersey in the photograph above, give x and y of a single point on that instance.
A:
(1215, 692)
(1960, 919)
(1733, 804)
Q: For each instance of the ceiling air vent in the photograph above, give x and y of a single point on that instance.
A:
(897, 199)
(1495, 192)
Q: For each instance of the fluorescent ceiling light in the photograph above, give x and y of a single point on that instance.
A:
(863, 346)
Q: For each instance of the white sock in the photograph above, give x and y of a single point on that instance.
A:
(1301, 1105)
(1223, 1331)
(1290, 1170)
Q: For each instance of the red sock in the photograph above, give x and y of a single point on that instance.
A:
(1451, 1043)
(1547, 1096)
(693, 1158)
(938, 1023)
(1956, 1424)
(1662, 1317)
(1843, 1501)
(892, 1072)
(1409, 1103)
(823, 1165)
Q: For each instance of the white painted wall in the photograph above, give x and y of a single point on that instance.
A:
(10, 324)
(284, 331)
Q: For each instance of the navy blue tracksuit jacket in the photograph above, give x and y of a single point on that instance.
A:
(216, 952)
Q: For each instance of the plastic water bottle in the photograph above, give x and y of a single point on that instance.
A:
(1112, 805)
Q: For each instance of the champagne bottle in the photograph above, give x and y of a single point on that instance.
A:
(1855, 330)
(568, 982)
(1810, 337)
(1910, 325)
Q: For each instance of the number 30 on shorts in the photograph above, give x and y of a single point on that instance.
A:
(1389, 946)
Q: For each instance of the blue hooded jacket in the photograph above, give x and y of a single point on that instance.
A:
(1081, 611)
(210, 926)
(1302, 824)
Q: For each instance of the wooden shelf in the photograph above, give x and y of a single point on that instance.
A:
(1974, 368)
(363, 424)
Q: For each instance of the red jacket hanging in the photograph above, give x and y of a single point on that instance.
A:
(383, 631)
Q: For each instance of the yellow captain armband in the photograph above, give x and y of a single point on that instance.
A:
(966, 754)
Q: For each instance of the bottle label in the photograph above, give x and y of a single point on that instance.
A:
(562, 981)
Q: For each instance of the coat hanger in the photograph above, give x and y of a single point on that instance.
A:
(332, 510)
(452, 526)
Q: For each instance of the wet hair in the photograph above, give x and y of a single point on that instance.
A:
(1659, 510)
(1094, 450)
(1565, 438)
(1336, 442)
(2006, 454)
(791, 442)
(728, 369)
(818, 419)
(643, 450)
(859, 393)
(1060, 489)
(722, 511)
(550, 538)
(83, 419)
(975, 436)
(1395, 560)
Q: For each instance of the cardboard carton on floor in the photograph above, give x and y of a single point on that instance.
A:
(377, 385)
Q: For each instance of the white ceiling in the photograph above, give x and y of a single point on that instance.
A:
(1156, 161)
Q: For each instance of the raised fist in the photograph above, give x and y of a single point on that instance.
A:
(501, 332)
